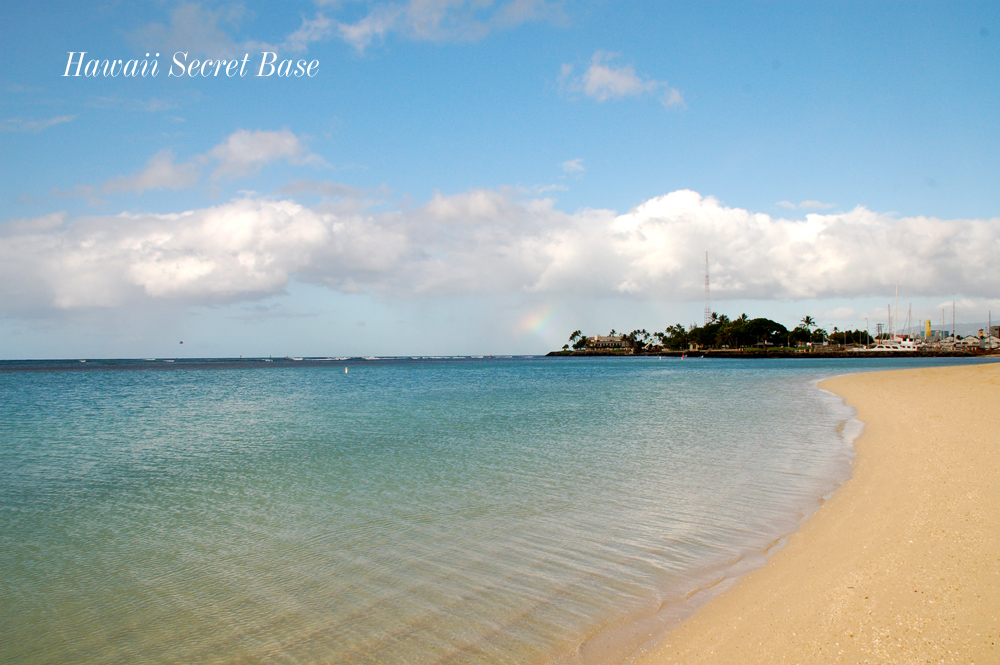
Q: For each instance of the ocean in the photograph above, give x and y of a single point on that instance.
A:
(462, 510)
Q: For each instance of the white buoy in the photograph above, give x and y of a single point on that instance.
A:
(345, 370)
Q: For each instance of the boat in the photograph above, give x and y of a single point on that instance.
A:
(905, 346)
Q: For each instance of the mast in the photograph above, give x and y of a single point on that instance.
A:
(708, 301)
(895, 315)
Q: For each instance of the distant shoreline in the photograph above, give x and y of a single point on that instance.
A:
(760, 354)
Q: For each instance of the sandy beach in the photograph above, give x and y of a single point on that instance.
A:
(902, 564)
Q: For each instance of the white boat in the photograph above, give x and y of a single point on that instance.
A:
(906, 346)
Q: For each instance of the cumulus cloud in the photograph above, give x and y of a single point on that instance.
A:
(160, 173)
(245, 152)
(489, 242)
(444, 20)
(235, 251)
(573, 165)
(604, 80)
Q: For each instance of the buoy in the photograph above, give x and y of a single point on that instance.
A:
(345, 370)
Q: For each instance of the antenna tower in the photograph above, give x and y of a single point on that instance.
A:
(708, 301)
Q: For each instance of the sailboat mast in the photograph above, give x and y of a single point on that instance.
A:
(895, 314)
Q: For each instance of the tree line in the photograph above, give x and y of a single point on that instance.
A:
(721, 332)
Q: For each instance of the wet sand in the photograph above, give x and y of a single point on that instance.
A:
(902, 564)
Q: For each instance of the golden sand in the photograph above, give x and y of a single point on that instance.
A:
(902, 564)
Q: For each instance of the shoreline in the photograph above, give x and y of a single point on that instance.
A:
(902, 563)
(758, 354)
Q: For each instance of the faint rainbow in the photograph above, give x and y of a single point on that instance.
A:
(537, 321)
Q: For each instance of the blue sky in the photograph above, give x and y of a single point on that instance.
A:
(467, 176)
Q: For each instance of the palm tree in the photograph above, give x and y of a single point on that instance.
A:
(808, 322)
(575, 336)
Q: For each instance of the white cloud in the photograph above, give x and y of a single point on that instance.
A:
(245, 152)
(321, 188)
(315, 30)
(87, 192)
(674, 98)
(200, 31)
(160, 173)
(489, 242)
(806, 205)
(193, 29)
(444, 20)
(573, 165)
(816, 205)
(374, 26)
(153, 104)
(32, 125)
(230, 252)
(603, 80)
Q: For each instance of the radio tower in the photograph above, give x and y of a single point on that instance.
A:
(708, 301)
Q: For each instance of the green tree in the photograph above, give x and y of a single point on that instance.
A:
(766, 332)
(800, 334)
(636, 340)
(675, 337)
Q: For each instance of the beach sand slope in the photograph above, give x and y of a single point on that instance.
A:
(902, 564)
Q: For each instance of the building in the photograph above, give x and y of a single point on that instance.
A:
(970, 342)
(606, 342)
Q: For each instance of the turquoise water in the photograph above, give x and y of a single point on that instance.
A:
(433, 511)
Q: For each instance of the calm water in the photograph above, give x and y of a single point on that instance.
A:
(508, 511)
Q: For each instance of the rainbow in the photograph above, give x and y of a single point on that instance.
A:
(538, 321)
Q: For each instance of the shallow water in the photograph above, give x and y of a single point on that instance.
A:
(431, 511)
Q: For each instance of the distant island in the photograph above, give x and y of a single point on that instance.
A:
(743, 336)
